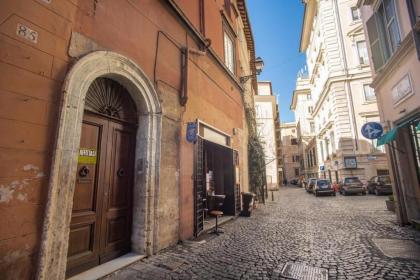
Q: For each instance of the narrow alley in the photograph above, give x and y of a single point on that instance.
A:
(335, 233)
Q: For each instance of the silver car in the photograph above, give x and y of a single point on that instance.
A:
(352, 185)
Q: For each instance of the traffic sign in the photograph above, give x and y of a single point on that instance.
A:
(372, 130)
(191, 132)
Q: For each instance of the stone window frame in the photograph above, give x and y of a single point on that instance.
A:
(55, 233)
(365, 98)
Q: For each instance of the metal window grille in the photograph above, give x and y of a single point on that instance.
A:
(414, 128)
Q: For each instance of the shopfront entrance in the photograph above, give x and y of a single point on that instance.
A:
(216, 185)
(100, 227)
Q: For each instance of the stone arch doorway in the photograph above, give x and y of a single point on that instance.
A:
(122, 70)
(100, 226)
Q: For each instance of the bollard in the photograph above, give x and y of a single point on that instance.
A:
(272, 195)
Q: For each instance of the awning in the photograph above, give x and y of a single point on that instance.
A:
(387, 137)
(390, 135)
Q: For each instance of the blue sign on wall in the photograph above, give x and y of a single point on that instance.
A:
(192, 132)
(372, 130)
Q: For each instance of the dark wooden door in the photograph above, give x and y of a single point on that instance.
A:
(117, 204)
(100, 226)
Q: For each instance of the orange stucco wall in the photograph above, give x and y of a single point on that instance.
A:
(31, 76)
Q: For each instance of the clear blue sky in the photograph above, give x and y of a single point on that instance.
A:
(276, 25)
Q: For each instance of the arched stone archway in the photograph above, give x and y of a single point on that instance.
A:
(54, 243)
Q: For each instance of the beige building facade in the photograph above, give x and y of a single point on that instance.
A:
(290, 152)
(338, 78)
(266, 116)
(393, 29)
(302, 106)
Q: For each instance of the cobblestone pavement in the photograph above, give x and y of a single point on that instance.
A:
(329, 232)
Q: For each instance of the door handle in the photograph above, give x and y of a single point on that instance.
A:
(120, 172)
(84, 171)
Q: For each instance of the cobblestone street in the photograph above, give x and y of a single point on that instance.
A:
(335, 233)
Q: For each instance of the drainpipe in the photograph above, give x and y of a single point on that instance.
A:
(413, 21)
(347, 88)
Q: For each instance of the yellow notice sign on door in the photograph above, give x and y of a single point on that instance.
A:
(87, 156)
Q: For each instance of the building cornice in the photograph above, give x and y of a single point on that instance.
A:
(360, 3)
(308, 19)
(406, 46)
(336, 79)
(325, 128)
(295, 94)
(288, 125)
(243, 11)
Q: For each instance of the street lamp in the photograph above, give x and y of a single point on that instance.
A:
(259, 65)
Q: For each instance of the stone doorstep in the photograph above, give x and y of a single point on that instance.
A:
(224, 221)
(108, 267)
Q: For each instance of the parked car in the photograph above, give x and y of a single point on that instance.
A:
(380, 185)
(310, 185)
(294, 181)
(323, 186)
(352, 185)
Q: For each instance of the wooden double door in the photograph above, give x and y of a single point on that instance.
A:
(100, 227)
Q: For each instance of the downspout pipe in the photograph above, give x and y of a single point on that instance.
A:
(413, 21)
(346, 71)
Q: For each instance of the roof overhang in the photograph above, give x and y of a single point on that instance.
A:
(308, 19)
(360, 3)
(295, 96)
(241, 4)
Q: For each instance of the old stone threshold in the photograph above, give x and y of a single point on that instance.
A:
(112, 266)
(210, 224)
(109, 267)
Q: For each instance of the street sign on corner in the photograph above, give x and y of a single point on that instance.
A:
(372, 130)
(191, 132)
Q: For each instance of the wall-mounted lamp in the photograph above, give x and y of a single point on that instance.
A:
(259, 65)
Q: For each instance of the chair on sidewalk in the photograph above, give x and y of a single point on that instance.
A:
(218, 202)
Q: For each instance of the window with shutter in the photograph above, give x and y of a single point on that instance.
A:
(391, 25)
(384, 35)
(229, 53)
(375, 42)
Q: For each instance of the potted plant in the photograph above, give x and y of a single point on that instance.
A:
(390, 203)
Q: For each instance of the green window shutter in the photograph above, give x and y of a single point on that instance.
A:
(375, 41)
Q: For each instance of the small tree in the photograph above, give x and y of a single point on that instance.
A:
(256, 158)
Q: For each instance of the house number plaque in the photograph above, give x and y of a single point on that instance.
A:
(87, 156)
(27, 33)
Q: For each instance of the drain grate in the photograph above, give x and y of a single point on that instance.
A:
(398, 248)
(301, 271)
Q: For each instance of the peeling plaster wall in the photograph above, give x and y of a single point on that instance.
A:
(31, 79)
